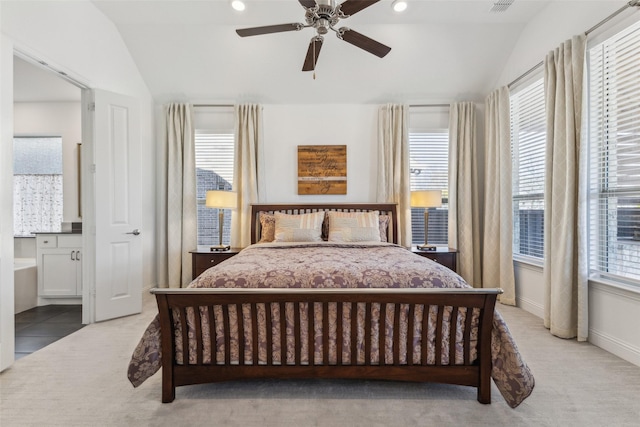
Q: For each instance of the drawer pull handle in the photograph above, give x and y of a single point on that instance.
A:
(46, 241)
(73, 258)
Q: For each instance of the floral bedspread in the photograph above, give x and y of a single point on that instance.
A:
(328, 265)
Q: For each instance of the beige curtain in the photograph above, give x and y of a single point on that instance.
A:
(177, 213)
(497, 252)
(564, 276)
(393, 165)
(464, 212)
(246, 181)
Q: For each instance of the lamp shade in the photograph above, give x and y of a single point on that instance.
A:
(426, 198)
(221, 199)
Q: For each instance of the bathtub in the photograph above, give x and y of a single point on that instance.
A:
(26, 283)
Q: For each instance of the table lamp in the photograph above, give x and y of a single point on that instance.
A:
(426, 199)
(221, 200)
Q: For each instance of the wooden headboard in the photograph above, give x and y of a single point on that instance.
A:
(384, 209)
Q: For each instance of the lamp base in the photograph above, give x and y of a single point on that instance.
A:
(427, 247)
(220, 248)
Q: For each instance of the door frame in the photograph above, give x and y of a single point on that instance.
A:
(87, 176)
(8, 50)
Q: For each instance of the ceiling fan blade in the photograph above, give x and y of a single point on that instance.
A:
(364, 42)
(308, 4)
(256, 31)
(351, 7)
(314, 48)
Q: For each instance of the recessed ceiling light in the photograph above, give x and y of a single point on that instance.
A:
(238, 5)
(399, 5)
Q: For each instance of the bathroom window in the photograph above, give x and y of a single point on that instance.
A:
(37, 185)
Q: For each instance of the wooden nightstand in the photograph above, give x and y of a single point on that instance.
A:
(203, 258)
(442, 255)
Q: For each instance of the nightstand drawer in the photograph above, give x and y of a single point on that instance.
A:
(444, 256)
(202, 260)
(448, 260)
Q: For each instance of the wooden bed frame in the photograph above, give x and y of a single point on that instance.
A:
(175, 304)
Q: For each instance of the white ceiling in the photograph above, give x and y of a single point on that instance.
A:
(187, 50)
(33, 83)
(442, 50)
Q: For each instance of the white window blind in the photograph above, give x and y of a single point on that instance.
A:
(528, 134)
(429, 162)
(614, 157)
(214, 171)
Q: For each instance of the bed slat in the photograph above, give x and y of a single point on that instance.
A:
(452, 335)
(255, 354)
(439, 336)
(297, 335)
(311, 310)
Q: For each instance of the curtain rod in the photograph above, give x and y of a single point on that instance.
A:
(631, 3)
(214, 105)
(428, 105)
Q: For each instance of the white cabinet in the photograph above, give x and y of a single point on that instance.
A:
(59, 260)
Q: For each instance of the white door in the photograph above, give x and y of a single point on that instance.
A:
(118, 206)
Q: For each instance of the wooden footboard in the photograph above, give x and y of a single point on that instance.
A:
(410, 346)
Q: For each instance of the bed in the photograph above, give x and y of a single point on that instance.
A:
(351, 307)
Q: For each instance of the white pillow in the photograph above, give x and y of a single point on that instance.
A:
(354, 226)
(298, 228)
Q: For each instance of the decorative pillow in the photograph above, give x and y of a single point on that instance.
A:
(354, 226)
(383, 224)
(267, 227)
(298, 228)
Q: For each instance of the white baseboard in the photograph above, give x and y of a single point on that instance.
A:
(615, 346)
(530, 306)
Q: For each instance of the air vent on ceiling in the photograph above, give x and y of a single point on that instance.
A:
(501, 5)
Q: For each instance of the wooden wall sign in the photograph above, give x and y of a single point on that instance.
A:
(322, 169)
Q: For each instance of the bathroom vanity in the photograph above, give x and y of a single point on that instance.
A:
(59, 262)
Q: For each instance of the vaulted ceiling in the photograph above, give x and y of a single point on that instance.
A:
(441, 50)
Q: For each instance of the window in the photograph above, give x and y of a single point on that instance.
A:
(37, 185)
(614, 157)
(528, 134)
(214, 171)
(429, 162)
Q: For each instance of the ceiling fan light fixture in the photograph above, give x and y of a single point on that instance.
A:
(238, 5)
(399, 5)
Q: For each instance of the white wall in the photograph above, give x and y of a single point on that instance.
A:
(614, 312)
(74, 37)
(287, 126)
(55, 119)
(555, 24)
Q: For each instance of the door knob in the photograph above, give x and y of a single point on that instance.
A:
(135, 232)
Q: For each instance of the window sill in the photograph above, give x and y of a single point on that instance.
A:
(625, 289)
(528, 261)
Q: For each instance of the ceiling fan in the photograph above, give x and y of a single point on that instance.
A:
(323, 15)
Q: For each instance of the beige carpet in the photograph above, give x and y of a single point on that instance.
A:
(81, 381)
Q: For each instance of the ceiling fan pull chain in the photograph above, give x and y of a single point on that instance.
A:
(314, 60)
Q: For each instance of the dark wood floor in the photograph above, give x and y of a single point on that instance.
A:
(40, 326)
